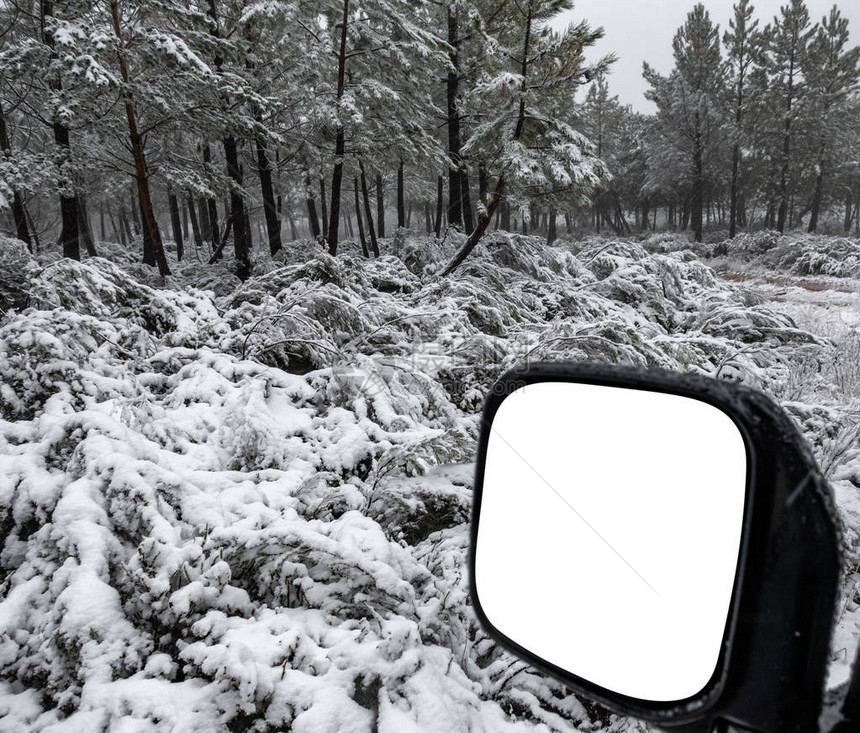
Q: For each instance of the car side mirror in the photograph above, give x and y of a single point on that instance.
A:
(662, 543)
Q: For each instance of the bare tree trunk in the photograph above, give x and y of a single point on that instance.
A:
(69, 232)
(358, 218)
(401, 203)
(211, 203)
(137, 153)
(428, 224)
(466, 201)
(347, 218)
(374, 245)
(380, 206)
(273, 224)
(19, 217)
(816, 195)
(84, 229)
(696, 198)
(195, 226)
(340, 138)
(313, 221)
(175, 223)
(206, 229)
(786, 152)
(455, 197)
(184, 209)
(551, 232)
(238, 214)
(323, 205)
(125, 227)
(437, 228)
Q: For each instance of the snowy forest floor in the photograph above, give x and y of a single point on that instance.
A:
(244, 506)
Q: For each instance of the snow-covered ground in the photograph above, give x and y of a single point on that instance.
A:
(830, 308)
(244, 506)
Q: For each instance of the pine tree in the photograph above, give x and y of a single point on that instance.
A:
(688, 103)
(538, 153)
(832, 75)
(744, 44)
(788, 37)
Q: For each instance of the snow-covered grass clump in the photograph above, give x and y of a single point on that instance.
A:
(246, 508)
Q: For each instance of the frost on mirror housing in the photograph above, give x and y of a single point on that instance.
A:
(628, 508)
(663, 543)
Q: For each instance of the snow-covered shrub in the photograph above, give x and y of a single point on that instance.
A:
(18, 267)
(256, 488)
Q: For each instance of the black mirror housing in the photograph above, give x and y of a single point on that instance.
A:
(775, 649)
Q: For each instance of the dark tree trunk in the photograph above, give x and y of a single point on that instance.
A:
(134, 205)
(176, 223)
(849, 213)
(195, 225)
(238, 214)
(211, 203)
(782, 212)
(212, 214)
(323, 206)
(358, 218)
(455, 197)
(733, 204)
(374, 245)
(340, 137)
(116, 229)
(506, 216)
(440, 198)
(466, 205)
(427, 223)
(816, 197)
(568, 225)
(696, 197)
(551, 233)
(102, 230)
(69, 232)
(147, 214)
(125, 227)
(203, 218)
(380, 206)
(483, 184)
(401, 203)
(19, 216)
(184, 209)
(148, 249)
(84, 229)
(273, 224)
(347, 220)
(313, 221)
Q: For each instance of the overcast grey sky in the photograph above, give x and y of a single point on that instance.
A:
(642, 30)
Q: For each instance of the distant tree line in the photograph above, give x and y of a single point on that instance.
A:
(759, 126)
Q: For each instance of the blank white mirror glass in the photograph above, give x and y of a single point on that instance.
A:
(609, 532)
